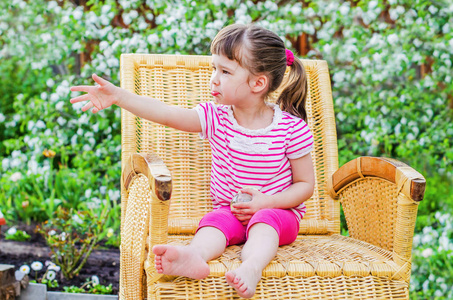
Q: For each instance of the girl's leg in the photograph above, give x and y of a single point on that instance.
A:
(260, 248)
(267, 229)
(217, 229)
(190, 261)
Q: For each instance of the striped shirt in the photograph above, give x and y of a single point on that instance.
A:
(259, 158)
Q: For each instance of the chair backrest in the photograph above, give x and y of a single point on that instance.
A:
(184, 80)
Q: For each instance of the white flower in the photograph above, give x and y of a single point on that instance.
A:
(103, 190)
(95, 280)
(51, 275)
(372, 5)
(50, 82)
(438, 293)
(54, 267)
(37, 266)
(16, 176)
(344, 9)
(2, 117)
(110, 232)
(444, 243)
(106, 9)
(40, 124)
(77, 219)
(60, 105)
(433, 9)
(77, 14)
(11, 231)
(51, 232)
(398, 129)
(25, 269)
(114, 195)
(425, 285)
(297, 9)
(400, 9)
(417, 43)
(392, 38)
(46, 37)
(427, 252)
(61, 121)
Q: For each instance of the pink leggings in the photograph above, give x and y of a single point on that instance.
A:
(284, 221)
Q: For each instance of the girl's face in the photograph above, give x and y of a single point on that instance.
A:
(229, 81)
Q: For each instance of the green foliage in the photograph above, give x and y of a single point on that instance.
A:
(432, 272)
(90, 287)
(72, 236)
(18, 235)
(50, 283)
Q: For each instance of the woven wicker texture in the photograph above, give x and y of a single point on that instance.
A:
(373, 263)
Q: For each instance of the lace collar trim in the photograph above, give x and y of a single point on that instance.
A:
(261, 131)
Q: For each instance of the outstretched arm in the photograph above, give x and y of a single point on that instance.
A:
(106, 94)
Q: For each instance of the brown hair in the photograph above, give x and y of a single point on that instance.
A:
(263, 52)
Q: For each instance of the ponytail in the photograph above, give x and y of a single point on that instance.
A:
(292, 98)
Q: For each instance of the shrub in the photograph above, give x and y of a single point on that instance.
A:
(72, 236)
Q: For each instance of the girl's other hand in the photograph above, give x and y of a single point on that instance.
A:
(245, 210)
(99, 96)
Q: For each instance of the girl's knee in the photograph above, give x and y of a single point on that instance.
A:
(266, 212)
(283, 221)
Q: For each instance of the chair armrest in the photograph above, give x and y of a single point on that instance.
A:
(154, 169)
(380, 199)
(147, 186)
(411, 182)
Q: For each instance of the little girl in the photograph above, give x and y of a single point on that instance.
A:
(254, 144)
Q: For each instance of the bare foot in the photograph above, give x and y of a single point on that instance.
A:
(180, 261)
(244, 280)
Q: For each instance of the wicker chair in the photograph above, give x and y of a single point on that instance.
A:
(161, 166)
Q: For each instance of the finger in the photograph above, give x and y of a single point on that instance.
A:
(234, 209)
(87, 106)
(95, 110)
(241, 205)
(85, 97)
(241, 218)
(249, 191)
(101, 81)
(83, 88)
(245, 211)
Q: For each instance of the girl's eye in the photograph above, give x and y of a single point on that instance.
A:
(226, 72)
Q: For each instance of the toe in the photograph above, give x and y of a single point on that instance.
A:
(230, 277)
(159, 249)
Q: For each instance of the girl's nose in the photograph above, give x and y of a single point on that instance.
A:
(214, 78)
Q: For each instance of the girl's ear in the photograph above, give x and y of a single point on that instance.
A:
(259, 83)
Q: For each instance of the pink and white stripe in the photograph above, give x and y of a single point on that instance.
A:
(258, 158)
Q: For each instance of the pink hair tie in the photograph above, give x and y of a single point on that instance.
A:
(289, 57)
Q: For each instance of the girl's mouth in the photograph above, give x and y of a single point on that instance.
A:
(214, 93)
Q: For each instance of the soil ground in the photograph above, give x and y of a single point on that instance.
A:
(103, 262)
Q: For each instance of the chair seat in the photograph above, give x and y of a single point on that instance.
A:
(313, 267)
(325, 256)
